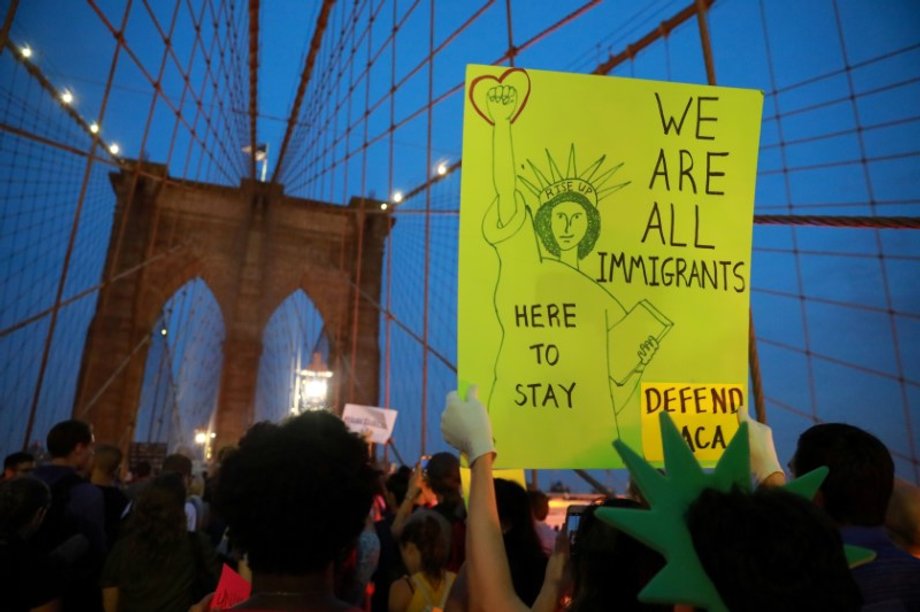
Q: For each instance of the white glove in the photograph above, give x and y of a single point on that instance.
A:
(465, 425)
(764, 461)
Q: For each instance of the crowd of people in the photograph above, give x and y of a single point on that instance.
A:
(302, 513)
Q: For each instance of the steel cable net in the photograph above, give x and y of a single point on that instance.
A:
(82, 90)
(376, 111)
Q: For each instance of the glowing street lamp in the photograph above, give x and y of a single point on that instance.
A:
(313, 386)
(204, 439)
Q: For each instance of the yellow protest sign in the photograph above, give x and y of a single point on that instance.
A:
(605, 248)
(706, 416)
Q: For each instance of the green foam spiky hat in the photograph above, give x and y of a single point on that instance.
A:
(663, 528)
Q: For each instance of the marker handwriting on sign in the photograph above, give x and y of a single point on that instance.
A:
(537, 316)
(705, 414)
(695, 183)
(541, 395)
(688, 171)
(693, 398)
(544, 315)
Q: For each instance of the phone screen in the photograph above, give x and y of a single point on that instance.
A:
(572, 519)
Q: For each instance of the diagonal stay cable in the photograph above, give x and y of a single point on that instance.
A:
(318, 33)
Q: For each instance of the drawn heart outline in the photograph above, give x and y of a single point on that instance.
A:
(516, 77)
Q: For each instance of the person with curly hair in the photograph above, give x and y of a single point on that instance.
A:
(295, 497)
(424, 544)
(158, 564)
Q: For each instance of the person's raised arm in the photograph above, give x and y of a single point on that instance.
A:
(765, 465)
(501, 103)
(408, 503)
(465, 426)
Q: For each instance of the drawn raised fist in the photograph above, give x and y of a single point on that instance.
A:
(501, 102)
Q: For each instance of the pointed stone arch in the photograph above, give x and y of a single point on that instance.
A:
(192, 329)
(253, 246)
(301, 328)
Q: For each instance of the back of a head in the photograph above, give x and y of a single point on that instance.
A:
(177, 463)
(515, 516)
(861, 471)
(610, 566)
(20, 499)
(158, 518)
(224, 452)
(771, 550)
(539, 504)
(64, 437)
(294, 495)
(430, 532)
(443, 473)
(142, 469)
(107, 459)
(398, 484)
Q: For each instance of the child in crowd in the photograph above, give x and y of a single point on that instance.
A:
(424, 545)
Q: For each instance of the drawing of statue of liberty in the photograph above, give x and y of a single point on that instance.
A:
(539, 276)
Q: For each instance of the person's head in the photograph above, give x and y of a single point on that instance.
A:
(566, 222)
(142, 470)
(860, 472)
(771, 550)
(177, 463)
(396, 486)
(425, 543)
(107, 460)
(514, 514)
(297, 494)
(443, 476)
(72, 442)
(158, 520)
(222, 454)
(23, 503)
(611, 567)
(18, 464)
(539, 504)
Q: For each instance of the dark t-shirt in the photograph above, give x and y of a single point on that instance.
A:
(892, 580)
(30, 577)
(114, 502)
(148, 584)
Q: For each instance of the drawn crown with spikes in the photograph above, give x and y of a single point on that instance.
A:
(585, 183)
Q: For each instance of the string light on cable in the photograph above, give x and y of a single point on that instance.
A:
(384, 206)
(94, 128)
(442, 168)
(114, 149)
(25, 51)
(66, 96)
(397, 197)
